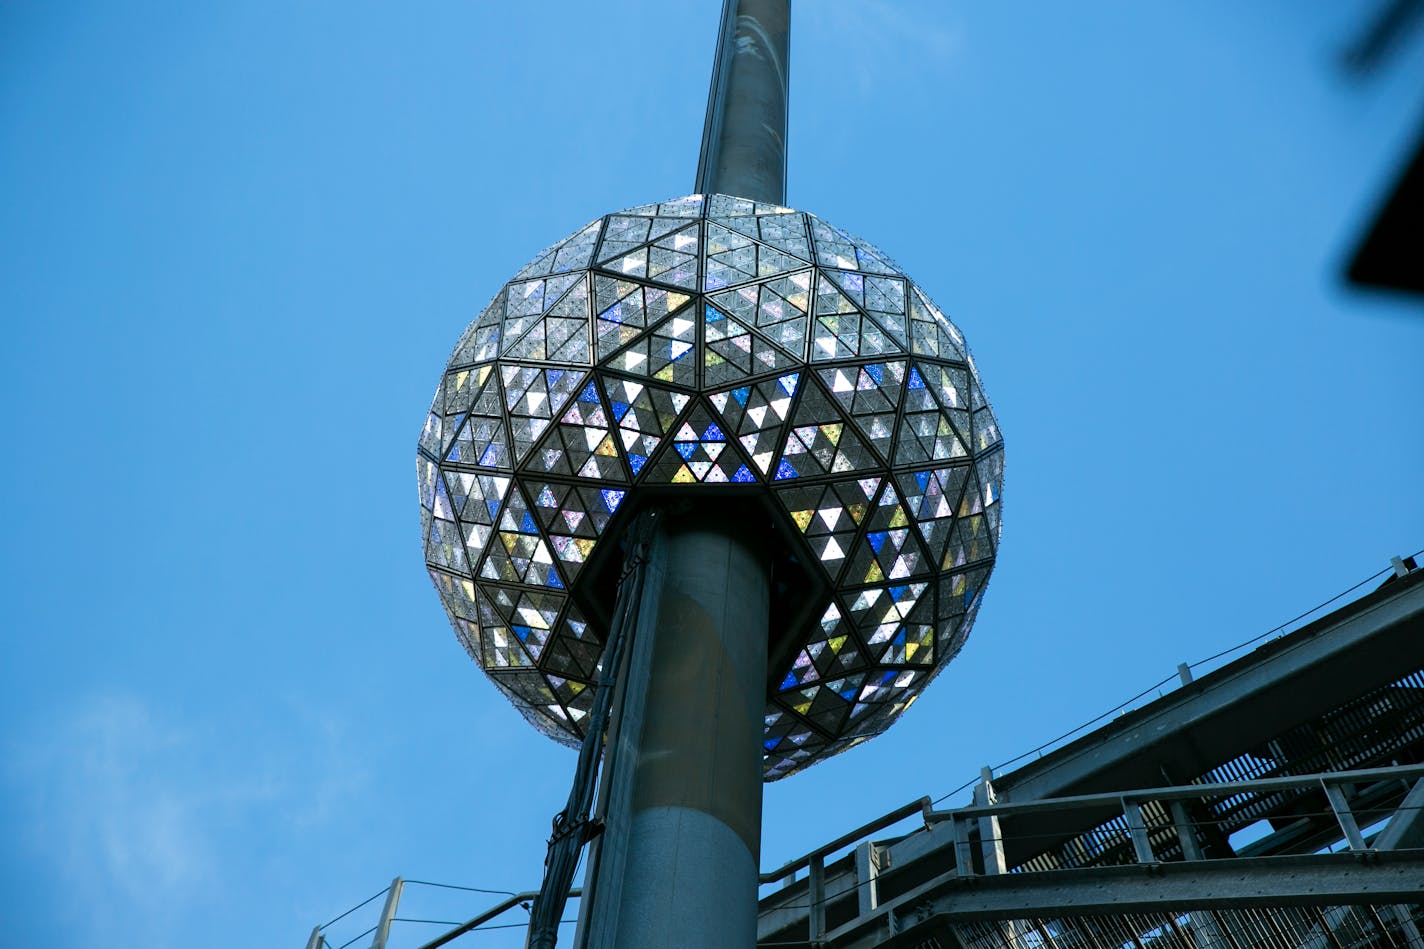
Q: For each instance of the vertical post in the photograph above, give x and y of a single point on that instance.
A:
(963, 855)
(1186, 833)
(816, 892)
(689, 861)
(744, 135)
(867, 873)
(1137, 830)
(1184, 672)
(316, 938)
(991, 839)
(388, 914)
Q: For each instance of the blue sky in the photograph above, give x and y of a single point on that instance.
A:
(239, 241)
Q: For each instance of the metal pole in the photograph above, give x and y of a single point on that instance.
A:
(689, 866)
(388, 914)
(744, 135)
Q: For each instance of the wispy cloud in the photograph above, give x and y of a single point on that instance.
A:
(860, 33)
(131, 806)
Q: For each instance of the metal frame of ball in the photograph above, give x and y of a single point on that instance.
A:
(803, 590)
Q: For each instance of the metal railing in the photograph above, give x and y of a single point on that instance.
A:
(977, 836)
(322, 937)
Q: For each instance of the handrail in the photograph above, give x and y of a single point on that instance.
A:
(1181, 792)
(1114, 799)
(922, 805)
(488, 915)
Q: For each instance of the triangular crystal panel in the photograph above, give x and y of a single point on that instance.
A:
(461, 387)
(529, 614)
(896, 621)
(644, 414)
(480, 341)
(624, 309)
(836, 249)
(841, 331)
(889, 549)
(574, 651)
(672, 258)
(731, 258)
(479, 437)
(985, 428)
(583, 443)
(562, 334)
(926, 433)
(457, 593)
(533, 397)
(576, 252)
(879, 297)
(829, 516)
(869, 394)
(700, 451)
(518, 553)
(475, 497)
(821, 440)
(755, 414)
(573, 517)
(732, 351)
(444, 544)
(931, 498)
(667, 352)
(501, 648)
(931, 333)
(959, 593)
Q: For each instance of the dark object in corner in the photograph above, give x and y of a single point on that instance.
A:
(1392, 254)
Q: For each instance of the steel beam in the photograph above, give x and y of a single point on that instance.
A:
(1364, 645)
(1405, 829)
(1314, 880)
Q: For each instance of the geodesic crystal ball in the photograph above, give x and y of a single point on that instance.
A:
(710, 344)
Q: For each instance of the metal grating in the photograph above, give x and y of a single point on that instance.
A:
(1294, 927)
(1380, 727)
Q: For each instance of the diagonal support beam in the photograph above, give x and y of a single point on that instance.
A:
(1405, 830)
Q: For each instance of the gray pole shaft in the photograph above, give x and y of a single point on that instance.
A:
(689, 877)
(388, 914)
(744, 136)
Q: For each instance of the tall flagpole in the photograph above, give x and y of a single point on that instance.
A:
(678, 861)
(744, 135)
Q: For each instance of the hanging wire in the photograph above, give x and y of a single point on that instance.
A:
(383, 892)
(451, 886)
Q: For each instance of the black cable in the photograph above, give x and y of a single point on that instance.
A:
(572, 827)
(354, 938)
(468, 889)
(356, 907)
